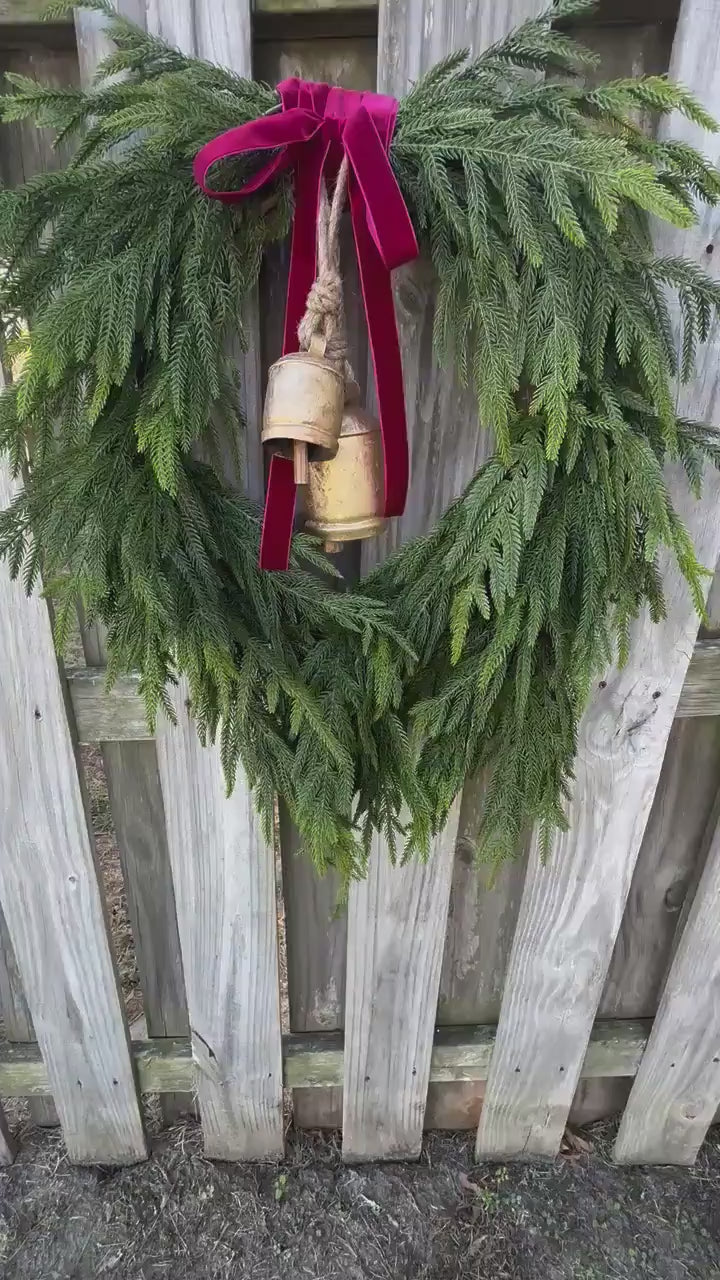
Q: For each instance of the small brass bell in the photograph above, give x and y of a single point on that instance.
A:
(345, 494)
(304, 405)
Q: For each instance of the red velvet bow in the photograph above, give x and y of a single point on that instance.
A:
(316, 126)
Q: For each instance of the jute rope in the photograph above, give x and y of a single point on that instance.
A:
(324, 317)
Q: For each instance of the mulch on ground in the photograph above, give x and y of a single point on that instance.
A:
(444, 1218)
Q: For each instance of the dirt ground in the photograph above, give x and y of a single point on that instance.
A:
(444, 1218)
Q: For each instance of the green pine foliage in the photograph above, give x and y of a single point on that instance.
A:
(476, 645)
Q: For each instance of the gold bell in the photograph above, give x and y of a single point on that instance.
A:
(345, 495)
(304, 404)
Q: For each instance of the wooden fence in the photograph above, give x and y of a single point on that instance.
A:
(571, 990)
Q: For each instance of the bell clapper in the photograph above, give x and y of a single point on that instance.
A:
(300, 462)
(332, 548)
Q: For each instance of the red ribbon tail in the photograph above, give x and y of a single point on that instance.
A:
(387, 215)
(309, 164)
(276, 538)
(385, 350)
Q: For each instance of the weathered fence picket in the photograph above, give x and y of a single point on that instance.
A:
(572, 908)
(50, 895)
(396, 929)
(316, 941)
(224, 878)
(677, 1089)
(223, 870)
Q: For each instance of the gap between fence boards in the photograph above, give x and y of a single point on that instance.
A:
(316, 1060)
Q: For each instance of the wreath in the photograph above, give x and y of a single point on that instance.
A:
(476, 644)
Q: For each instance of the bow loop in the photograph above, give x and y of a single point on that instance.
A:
(316, 126)
(278, 133)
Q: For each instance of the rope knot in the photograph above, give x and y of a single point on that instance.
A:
(325, 297)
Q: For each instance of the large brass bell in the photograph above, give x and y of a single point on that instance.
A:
(304, 406)
(345, 494)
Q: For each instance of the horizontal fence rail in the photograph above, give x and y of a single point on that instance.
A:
(316, 1061)
(117, 714)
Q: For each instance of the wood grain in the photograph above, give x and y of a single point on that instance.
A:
(224, 878)
(310, 6)
(24, 149)
(677, 1090)
(106, 715)
(347, 61)
(222, 870)
(668, 866)
(701, 691)
(669, 861)
(396, 927)
(609, 11)
(50, 894)
(136, 804)
(14, 1013)
(389, 1018)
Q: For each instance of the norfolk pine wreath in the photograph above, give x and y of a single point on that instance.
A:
(476, 644)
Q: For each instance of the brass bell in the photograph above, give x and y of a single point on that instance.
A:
(345, 494)
(304, 405)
